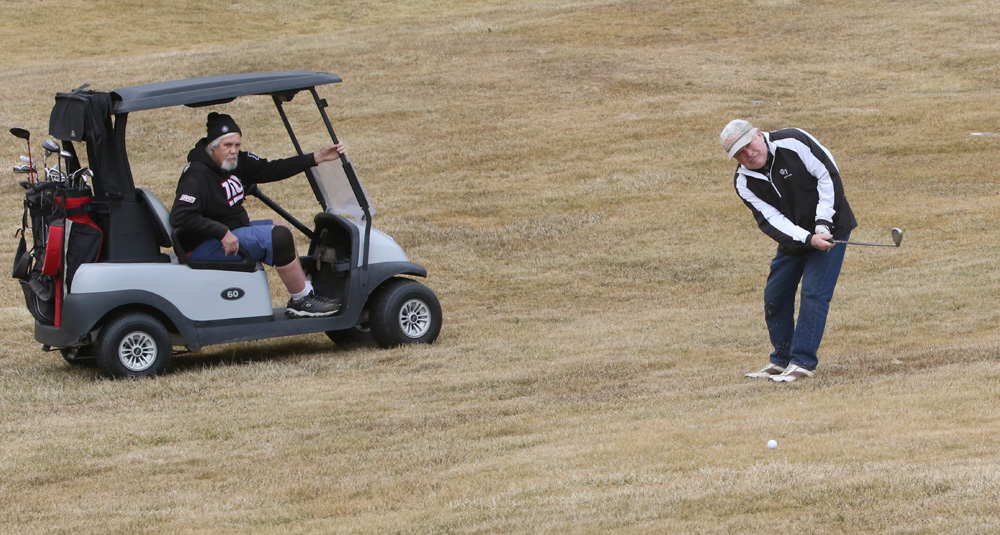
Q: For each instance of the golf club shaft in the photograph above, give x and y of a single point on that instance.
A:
(863, 243)
(32, 176)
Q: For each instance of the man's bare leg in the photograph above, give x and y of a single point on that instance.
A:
(292, 276)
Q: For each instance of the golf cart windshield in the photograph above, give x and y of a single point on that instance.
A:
(335, 188)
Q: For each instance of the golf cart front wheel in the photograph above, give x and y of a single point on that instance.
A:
(134, 345)
(404, 312)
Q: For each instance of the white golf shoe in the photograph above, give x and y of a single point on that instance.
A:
(766, 372)
(792, 373)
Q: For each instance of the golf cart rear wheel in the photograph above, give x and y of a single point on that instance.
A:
(403, 311)
(134, 345)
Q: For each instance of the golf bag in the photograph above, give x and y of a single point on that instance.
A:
(63, 237)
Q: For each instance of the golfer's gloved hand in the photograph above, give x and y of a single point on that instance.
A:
(823, 242)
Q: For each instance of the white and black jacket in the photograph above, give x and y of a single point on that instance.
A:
(797, 189)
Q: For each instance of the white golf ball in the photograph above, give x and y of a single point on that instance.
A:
(771, 444)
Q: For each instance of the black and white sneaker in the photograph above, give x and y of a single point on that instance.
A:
(312, 306)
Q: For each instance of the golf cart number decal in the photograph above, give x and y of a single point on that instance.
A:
(234, 190)
(232, 294)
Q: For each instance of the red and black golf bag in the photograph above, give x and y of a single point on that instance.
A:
(64, 236)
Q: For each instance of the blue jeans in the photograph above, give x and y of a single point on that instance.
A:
(255, 240)
(798, 342)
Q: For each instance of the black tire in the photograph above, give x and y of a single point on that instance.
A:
(134, 345)
(79, 356)
(403, 311)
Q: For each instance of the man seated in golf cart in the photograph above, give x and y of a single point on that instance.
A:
(208, 210)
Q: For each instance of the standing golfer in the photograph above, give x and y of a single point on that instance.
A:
(792, 185)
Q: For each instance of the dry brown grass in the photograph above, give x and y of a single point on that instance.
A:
(554, 165)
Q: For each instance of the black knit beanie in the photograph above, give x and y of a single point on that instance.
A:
(220, 124)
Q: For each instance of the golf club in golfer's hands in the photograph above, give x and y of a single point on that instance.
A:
(897, 238)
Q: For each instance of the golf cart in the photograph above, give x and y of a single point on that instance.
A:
(105, 275)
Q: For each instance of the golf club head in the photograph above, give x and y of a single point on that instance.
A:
(22, 133)
(50, 146)
(897, 236)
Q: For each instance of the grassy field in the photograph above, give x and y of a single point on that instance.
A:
(555, 165)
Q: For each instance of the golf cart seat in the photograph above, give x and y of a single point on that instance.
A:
(246, 263)
(160, 216)
(168, 236)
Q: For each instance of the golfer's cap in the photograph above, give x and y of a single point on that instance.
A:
(735, 136)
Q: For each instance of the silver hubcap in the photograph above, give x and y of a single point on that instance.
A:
(415, 318)
(137, 351)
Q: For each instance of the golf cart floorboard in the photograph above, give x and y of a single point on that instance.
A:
(277, 325)
(280, 315)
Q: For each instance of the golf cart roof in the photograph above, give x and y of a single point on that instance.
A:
(100, 117)
(210, 90)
